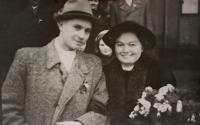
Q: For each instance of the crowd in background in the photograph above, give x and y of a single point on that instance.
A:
(34, 22)
(33, 25)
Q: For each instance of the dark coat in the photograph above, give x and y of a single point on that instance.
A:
(123, 97)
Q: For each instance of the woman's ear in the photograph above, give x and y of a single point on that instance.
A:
(142, 49)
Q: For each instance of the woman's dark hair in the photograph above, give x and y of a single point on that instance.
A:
(97, 41)
(143, 41)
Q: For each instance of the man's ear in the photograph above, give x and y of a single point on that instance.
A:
(60, 23)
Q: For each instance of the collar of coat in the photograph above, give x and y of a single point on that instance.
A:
(119, 95)
(53, 58)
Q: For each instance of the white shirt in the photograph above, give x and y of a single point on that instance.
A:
(129, 2)
(66, 57)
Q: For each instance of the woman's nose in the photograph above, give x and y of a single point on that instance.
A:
(125, 48)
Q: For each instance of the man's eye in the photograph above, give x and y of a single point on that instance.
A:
(87, 31)
(77, 27)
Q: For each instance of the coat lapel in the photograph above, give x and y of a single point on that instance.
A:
(52, 55)
(74, 80)
(124, 6)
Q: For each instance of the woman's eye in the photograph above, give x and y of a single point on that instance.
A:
(119, 44)
(87, 31)
(132, 44)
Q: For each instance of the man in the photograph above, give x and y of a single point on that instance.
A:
(139, 11)
(57, 84)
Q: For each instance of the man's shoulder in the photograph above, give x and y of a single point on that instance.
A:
(91, 61)
(91, 58)
(31, 51)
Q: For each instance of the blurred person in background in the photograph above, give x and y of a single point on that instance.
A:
(100, 9)
(132, 10)
(102, 50)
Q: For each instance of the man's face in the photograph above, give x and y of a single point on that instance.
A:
(94, 4)
(74, 33)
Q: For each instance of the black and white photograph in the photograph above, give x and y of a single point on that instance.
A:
(100, 62)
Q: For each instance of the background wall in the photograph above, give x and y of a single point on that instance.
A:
(189, 30)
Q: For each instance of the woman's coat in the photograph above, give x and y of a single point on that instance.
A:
(122, 96)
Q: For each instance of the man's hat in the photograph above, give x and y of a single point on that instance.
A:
(76, 9)
(146, 37)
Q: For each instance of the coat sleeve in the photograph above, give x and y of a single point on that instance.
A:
(13, 92)
(149, 16)
(97, 107)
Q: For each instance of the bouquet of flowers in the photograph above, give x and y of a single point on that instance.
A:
(165, 103)
(157, 102)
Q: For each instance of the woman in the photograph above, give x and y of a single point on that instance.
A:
(131, 69)
(102, 50)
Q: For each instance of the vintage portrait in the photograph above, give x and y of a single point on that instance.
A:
(99, 62)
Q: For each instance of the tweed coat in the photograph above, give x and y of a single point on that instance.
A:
(34, 94)
(125, 88)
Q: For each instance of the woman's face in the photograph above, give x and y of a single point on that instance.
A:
(128, 48)
(104, 49)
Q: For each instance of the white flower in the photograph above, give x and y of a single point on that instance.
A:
(156, 105)
(144, 94)
(142, 112)
(163, 90)
(149, 89)
(193, 118)
(136, 108)
(132, 115)
(159, 97)
(179, 106)
(145, 103)
(163, 107)
(170, 87)
(169, 108)
(158, 114)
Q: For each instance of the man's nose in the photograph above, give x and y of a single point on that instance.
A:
(82, 34)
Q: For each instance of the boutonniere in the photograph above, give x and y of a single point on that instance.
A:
(84, 88)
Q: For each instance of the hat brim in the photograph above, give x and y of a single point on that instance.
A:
(129, 26)
(78, 15)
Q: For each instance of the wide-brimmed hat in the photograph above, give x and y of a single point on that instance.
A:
(146, 37)
(76, 9)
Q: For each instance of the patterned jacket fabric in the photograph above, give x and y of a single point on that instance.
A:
(34, 92)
